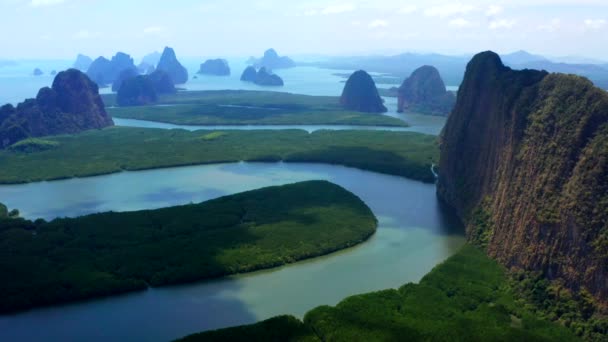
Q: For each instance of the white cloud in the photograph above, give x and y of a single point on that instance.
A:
(449, 10)
(43, 3)
(494, 10)
(310, 12)
(595, 24)
(378, 23)
(551, 26)
(409, 9)
(338, 9)
(502, 24)
(154, 30)
(460, 23)
(83, 34)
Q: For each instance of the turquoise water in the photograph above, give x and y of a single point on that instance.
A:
(414, 235)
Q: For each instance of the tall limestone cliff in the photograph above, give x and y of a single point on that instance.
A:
(360, 94)
(169, 64)
(524, 162)
(71, 105)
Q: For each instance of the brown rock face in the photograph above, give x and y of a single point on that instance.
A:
(72, 105)
(425, 92)
(529, 150)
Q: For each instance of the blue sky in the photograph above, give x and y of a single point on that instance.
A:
(63, 28)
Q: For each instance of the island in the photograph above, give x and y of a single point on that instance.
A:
(37, 72)
(424, 92)
(70, 259)
(82, 62)
(71, 105)
(237, 107)
(118, 149)
(105, 72)
(215, 67)
(168, 63)
(360, 94)
(271, 60)
(262, 77)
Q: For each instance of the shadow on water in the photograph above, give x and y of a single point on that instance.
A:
(161, 314)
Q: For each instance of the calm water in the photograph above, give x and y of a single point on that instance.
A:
(413, 236)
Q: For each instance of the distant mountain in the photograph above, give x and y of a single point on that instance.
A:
(82, 62)
(598, 74)
(216, 67)
(521, 57)
(424, 92)
(272, 60)
(151, 58)
(6, 63)
(104, 72)
(168, 63)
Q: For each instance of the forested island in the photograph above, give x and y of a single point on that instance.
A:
(123, 148)
(69, 259)
(240, 107)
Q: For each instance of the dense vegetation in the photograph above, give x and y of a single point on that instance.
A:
(249, 107)
(464, 299)
(102, 254)
(121, 148)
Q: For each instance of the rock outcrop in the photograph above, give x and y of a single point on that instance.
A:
(71, 105)
(137, 91)
(162, 82)
(104, 72)
(249, 74)
(272, 60)
(215, 67)
(124, 75)
(151, 58)
(424, 92)
(169, 64)
(37, 72)
(360, 94)
(262, 77)
(82, 63)
(524, 162)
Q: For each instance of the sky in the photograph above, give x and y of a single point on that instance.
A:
(229, 28)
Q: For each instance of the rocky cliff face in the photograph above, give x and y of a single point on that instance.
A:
(71, 105)
(425, 92)
(82, 62)
(262, 77)
(524, 161)
(169, 64)
(360, 94)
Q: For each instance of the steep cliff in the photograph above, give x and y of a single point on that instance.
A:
(524, 161)
(360, 94)
(104, 72)
(169, 64)
(71, 105)
(425, 92)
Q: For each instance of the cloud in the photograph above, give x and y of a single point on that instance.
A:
(154, 30)
(44, 3)
(551, 26)
(595, 24)
(378, 23)
(408, 9)
(502, 24)
(85, 34)
(338, 9)
(494, 10)
(449, 10)
(460, 23)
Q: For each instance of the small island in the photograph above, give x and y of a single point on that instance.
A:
(37, 72)
(61, 261)
(262, 77)
(105, 72)
(360, 94)
(424, 92)
(272, 60)
(215, 67)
